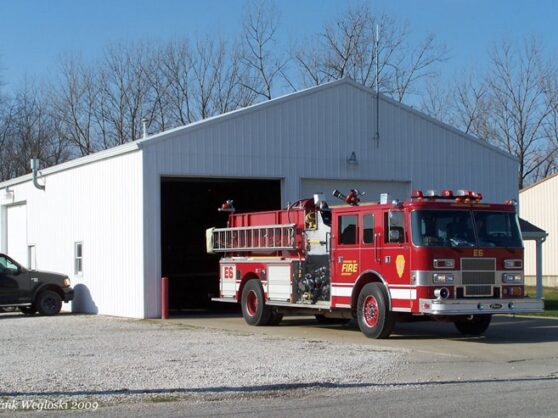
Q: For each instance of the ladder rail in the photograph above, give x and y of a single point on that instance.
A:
(255, 238)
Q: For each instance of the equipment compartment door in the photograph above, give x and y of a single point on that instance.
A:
(228, 285)
(279, 286)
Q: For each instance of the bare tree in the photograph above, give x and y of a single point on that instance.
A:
(202, 80)
(549, 156)
(348, 47)
(6, 135)
(158, 116)
(28, 130)
(519, 105)
(437, 101)
(471, 105)
(262, 62)
(230, 91)
(176, 68)
(207, 58)
(124, 88)
(74, 98)
(513, 106)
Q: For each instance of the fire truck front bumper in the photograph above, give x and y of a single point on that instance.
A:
(480, 306)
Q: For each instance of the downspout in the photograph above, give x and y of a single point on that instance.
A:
(35, 170)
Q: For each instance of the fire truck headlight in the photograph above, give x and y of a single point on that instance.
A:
(442, 278)
(512, 278)
(513, 264)
(444, 263)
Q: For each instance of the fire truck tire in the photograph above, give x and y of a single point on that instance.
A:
(253, 304)
(473, 325)
(375, 320)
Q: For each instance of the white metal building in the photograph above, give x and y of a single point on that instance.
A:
(119, 219)
(538, 204)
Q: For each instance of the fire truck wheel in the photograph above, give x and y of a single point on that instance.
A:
(375, 320)
(253, 304)
(473, 325)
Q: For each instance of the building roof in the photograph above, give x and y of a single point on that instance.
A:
(172, 133)
(530, 231)
(535, 184)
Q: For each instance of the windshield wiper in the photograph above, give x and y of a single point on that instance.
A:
(458, 242)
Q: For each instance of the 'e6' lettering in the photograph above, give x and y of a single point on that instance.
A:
(228, 272)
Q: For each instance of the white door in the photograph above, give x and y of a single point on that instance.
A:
(17, 233)
(397, 189)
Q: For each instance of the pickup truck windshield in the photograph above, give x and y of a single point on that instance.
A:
(465, 228)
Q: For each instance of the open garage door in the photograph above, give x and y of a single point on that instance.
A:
(397, 189)
(17, 233)
(188, 208)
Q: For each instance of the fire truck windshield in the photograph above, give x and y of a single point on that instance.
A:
(465, 228)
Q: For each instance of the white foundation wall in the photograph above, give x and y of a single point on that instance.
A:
(100, 205)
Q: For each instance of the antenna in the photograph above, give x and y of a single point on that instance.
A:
(144, 127)
(377, 42)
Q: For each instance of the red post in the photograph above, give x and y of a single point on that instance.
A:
(164, 298)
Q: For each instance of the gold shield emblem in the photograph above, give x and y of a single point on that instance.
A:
(400, 265)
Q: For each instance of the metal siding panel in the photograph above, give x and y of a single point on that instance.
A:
(100, 205)
(537, 205)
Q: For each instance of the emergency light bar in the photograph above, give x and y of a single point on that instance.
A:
(461, 196)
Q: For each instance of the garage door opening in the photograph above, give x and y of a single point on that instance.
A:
(188, 208)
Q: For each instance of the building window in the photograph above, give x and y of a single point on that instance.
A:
(31, 257)
(78, 258)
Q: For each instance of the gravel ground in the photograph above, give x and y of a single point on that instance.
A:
(108, 359)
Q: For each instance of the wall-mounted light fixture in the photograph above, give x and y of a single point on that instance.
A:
(8, 194)
(352, 159)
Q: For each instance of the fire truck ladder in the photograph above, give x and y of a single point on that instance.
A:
(255, 238)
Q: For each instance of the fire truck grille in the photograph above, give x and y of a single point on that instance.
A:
(478, 264)
(478, 291)
(478, 275)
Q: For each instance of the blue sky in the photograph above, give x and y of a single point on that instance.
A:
(35, 33)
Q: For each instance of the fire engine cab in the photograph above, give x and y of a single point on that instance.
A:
(443, 256)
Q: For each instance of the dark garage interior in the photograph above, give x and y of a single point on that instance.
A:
(188, 208)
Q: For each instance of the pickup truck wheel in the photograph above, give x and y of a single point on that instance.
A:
(473, 325)
(28, 310)
(375, 320)
(49, 303)
(253, 304)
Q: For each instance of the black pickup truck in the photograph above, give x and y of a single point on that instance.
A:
(31, 290)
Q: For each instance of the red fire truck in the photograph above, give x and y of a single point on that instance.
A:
(442, 256)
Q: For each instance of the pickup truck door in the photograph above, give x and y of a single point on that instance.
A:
(15, 286)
